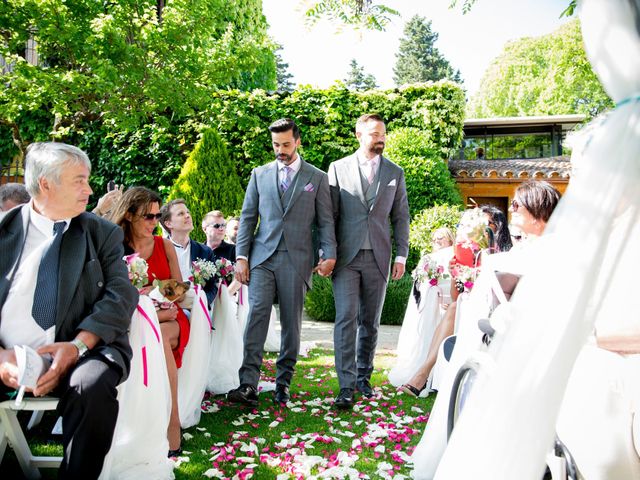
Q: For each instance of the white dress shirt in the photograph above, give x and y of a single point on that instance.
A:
(184, 259)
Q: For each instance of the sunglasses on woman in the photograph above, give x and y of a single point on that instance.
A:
(151, 216)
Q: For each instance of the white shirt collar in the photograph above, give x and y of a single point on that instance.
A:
(44, 224)
(295, 165)
(362, 160)
(177, 245)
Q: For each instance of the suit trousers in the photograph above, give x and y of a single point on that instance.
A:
(359, 290)
(274, 277)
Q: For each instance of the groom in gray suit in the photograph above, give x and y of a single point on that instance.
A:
(368, 191)
(285, 199)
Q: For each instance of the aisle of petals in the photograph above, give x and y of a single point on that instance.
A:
(378, 434)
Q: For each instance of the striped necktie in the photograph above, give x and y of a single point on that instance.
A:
(286, 181)
(45, 298)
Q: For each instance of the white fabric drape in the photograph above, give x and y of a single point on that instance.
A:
(509, 422)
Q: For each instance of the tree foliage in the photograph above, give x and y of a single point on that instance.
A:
(208, 181)
(125, 62)
(357, 79)
(360, 14)
(418, 59)
(283, 76)
(547, 75)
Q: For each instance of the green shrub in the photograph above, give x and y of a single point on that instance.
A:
(426, 174)
(424, 224)
(320, 306)
(208, 181)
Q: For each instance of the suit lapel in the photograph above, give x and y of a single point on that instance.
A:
(72, 256)
(274, 190)
(384, 178)
(299, 182)
(354, 175)
(11, 243)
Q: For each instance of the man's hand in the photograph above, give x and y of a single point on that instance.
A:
(397, 271)
(242, 271)
(9, 368)
(65, 355)
(325, 267)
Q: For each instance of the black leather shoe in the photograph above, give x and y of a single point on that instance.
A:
(174, 453)
(281, 395)
(245, 394)
(344, 400)
(364, 387)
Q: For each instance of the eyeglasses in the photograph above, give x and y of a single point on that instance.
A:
(517, 238)
(515, 205)
(217, 225)
(151, 216)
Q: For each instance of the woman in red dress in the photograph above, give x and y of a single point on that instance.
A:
(138, 212)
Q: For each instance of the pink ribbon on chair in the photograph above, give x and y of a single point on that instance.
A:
(240, 297)
(204, 308)
(145, 368)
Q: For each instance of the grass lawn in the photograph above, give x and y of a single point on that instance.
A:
(307, 439)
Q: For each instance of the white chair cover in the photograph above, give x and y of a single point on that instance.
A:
(192, 377)
(140, 445)
(226, 344)
(509, 422)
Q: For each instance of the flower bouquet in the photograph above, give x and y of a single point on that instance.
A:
(465, 276)
(202, 271)
(429, 271)
(224, 270)
(137, 268)
(471, 237)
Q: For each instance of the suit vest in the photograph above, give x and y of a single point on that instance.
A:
(370, 192)
(285, 198)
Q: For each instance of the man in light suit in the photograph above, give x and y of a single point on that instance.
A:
(288, 197)
(176, 219)
(368, 192)
(64, 291)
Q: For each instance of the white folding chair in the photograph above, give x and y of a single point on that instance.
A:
(11, 431)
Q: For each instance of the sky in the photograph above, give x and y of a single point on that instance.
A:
(320, 55)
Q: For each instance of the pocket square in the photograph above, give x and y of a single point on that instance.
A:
(309, 187)
(392, 183)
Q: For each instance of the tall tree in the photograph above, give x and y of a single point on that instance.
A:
(283, 76)
(125, 62)
(357, 79)
(547, 75)
(360, 14)
(418, 59)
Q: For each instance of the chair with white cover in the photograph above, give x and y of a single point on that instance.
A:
(192, 377)
(139, 448)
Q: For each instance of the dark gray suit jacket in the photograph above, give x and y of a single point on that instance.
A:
(94, 292)
(353, 217)
(309, 207)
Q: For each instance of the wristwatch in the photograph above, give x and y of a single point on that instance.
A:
(81, 346)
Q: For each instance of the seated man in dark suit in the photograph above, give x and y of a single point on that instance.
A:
(176, 219)
(64, 290)
(214, 227)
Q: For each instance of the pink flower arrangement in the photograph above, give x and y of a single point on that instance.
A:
(429, 271)
(137, 269)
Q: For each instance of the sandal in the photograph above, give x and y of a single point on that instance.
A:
(411, 390)
(175, 453)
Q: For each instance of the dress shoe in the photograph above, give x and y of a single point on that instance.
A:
(174, 453)
(364, 387)
(281, 395)
(344, 400)
(245, 394)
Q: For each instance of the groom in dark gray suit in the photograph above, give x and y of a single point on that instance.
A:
(368, 192)
(285, 199)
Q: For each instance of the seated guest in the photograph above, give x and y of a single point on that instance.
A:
(214, 226)
(107, 201)
(64, 290)
(12, 195)
(138, 212)
(232, 230)
(176, 220)
(497, 221)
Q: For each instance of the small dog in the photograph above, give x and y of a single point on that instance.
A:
(172, 289)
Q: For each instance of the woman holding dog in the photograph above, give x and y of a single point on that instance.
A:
(138, 212)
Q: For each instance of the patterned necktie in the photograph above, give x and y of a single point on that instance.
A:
(45, 298)
(286, 181)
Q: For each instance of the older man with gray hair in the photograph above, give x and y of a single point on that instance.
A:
(12, 195)
(64, 291)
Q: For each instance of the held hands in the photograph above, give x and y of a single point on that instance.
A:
(325, 267)
(398, 271)
(65, 356)
(242, 271)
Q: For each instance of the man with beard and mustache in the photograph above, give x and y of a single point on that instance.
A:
(368, 192)
(285, 199)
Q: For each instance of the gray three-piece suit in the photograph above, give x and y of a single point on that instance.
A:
(281, 258)
(364, 215)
